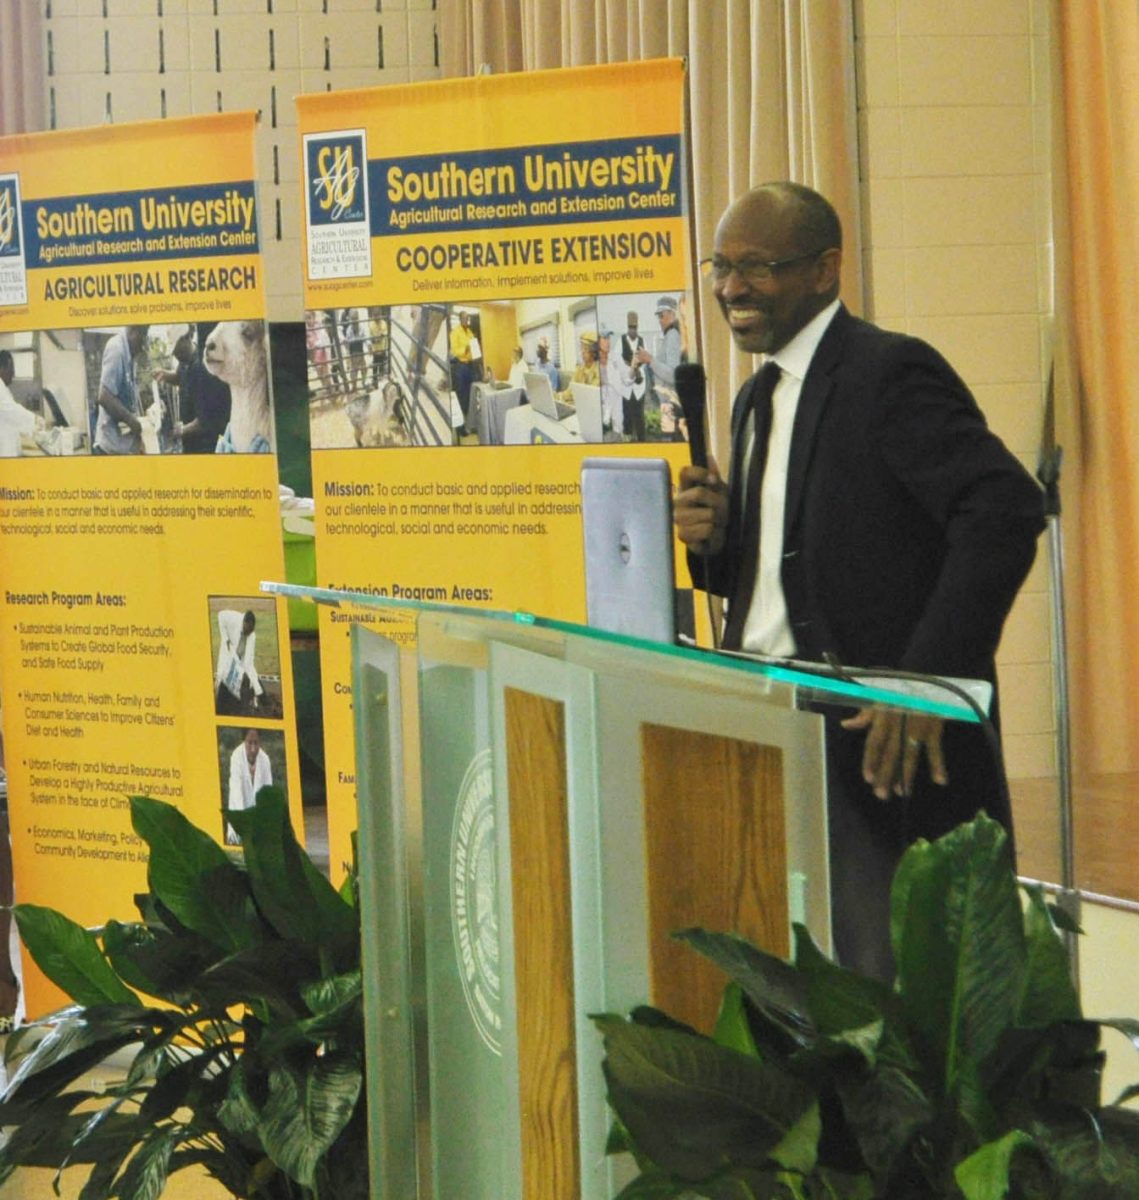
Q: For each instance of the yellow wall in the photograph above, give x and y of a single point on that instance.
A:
(954, 149)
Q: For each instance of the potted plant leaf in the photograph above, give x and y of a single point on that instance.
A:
(233, 1006)
(975, 1077)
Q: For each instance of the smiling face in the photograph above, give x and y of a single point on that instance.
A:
(765, 226)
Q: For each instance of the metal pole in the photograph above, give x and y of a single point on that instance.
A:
(1048, 473)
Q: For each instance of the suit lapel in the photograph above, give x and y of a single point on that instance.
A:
(813, 398)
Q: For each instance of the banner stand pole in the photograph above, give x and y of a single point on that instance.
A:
(1048, 472)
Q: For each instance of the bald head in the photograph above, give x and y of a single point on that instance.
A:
(811, 215)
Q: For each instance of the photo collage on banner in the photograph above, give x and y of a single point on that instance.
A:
(496, 286)
(139, 505)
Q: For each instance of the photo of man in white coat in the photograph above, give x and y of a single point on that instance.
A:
(249, 772)
(237, 687)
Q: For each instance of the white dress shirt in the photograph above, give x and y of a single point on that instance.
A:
(767, 629)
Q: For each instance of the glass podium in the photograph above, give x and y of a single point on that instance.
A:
(540, 806)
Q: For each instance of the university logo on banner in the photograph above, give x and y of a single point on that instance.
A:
(336, 199)
(13, 276)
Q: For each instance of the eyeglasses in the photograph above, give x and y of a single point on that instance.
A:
(751, 270)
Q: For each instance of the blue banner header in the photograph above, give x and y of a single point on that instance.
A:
(614, 179)
(115, 227)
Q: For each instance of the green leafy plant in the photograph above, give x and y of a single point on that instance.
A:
(233, 1008)
(974, 1077)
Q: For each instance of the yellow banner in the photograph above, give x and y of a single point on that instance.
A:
(139, 506)
(496, 284)
(162, 227)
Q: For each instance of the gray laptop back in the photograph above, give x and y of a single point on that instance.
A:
(630, 575)
(587, 403)
(541, 395)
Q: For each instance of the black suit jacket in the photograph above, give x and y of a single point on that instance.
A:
(909, 528)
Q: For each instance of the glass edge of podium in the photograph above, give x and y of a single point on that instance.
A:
(838, 688)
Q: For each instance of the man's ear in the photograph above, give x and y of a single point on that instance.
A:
(829, 271)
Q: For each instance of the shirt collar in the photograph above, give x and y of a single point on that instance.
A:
(795, 357)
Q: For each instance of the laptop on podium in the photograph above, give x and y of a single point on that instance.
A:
(630, 574)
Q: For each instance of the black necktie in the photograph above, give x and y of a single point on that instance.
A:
(749, 544)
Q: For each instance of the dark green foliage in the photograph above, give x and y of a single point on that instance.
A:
(974, 1078)
(235, 1007)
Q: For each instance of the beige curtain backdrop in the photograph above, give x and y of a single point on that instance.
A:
(771, 86)
(1098, 375)
(21, 68)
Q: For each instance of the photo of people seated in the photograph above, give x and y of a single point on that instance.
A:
(574, 369)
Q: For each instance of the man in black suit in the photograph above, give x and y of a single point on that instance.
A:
(893, 529)
(633, 394)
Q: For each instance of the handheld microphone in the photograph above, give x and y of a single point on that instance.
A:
(690, 392)
(689, 380)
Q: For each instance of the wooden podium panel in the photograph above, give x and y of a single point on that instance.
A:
(543, 946)
(716, 843)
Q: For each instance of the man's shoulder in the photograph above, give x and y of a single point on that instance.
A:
(860, 348)
(858, 335)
